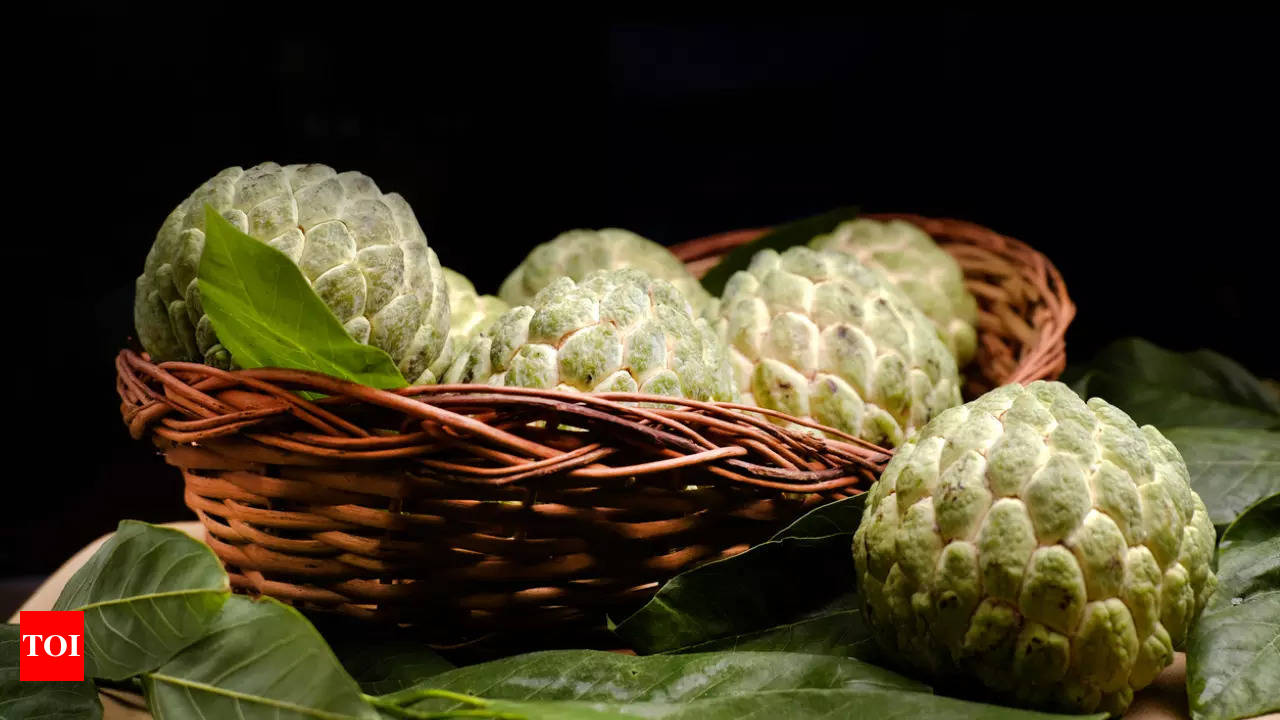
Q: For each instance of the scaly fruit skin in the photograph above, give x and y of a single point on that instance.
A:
(470, 313)
(362, 251)
(819, 335)
(576, 253)
(616, 331)
(925, 272)
(1049, 548)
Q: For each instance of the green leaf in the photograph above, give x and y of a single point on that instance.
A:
(267, 314)
(1169, 389)
(1231, 468)
(779, 238)
(517, 710)
(804, 566)
(841, 516)
(838, 629)
(259, 659)
(381, 662)
(1233, 654)
(146, 593)
(809, 704)
(592, 675)
(45, 700)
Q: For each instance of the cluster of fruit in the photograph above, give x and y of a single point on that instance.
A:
(1048, 547)
(862, 331)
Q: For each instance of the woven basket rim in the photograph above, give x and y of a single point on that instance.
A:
(145, 411)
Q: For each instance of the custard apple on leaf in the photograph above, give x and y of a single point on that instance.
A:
(614, 331)
(470, 313)
(577, 253)
(925, 272)
(818, 335)
(361, 250)
(1043, 546)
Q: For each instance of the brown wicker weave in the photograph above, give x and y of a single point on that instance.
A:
(1023, 305)
(474, 507)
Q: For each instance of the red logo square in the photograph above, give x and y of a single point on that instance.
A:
(51, 645)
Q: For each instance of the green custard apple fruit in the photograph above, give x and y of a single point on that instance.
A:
(576, 253)
(470, 312)
(1047, 547)
(818, 335)
(925, 272)
(614, 331)
(362, 251)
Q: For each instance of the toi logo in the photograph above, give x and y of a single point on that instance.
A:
(51, 646)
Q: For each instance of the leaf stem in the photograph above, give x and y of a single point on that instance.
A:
(394, 705)
(414, 694)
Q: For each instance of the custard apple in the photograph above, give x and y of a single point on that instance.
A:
(361, 250)
(1048, 548)
(615, 331)
(818, 335)
(925, 272)
(470, 311)
(576, 253)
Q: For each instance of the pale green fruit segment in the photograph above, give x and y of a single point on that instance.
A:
(362, 251)
(614, 331)
(1059, 569)
(818, 335)
(470, 313)
(577, 253)
(925, 272)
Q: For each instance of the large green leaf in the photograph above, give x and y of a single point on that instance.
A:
(1231, 468)
(803, 567)
(806, 704)
(779, 238)
(259, 659)
(146, 593)
(827, 705)
(1169, 389)
(45, 700)
(834, 518)
(1233, 655)
(592, 675)
(382, 663)
(838, 629)
(266, 313)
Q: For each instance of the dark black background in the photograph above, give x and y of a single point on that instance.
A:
(1137, 152)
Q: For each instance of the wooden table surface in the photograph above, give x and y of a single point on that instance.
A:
(1164, 699)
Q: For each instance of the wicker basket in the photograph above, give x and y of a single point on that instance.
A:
(1023, 305)
(473, 506)
(479, 508)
